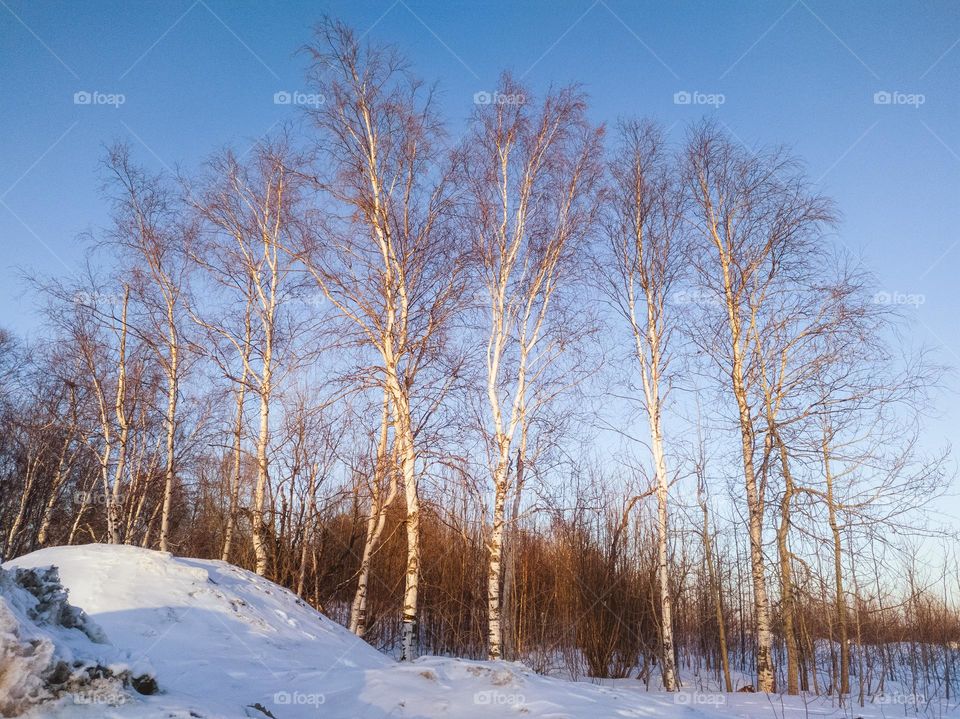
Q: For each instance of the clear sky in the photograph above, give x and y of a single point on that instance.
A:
(866, 92)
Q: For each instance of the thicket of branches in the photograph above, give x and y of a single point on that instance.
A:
(598, 401)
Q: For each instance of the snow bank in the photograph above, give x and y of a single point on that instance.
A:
(219, 638)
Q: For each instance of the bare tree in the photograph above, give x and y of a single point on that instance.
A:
(382, 255)
(431, 429)
(100, 339)
(644, 224)
(753, 218)
(251, 223)
(153, 241)
(532, 173)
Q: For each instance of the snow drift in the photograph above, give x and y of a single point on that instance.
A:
(221, 640)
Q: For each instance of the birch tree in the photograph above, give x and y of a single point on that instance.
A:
(532, 173)
(382, 253)
(153, 242)
(111, 394)
(753, 215)
(250, 215)
(644, 227)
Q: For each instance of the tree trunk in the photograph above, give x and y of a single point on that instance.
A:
(376, 521)
(112, 496)
(32, 466)
(237, 468)
(260, 533)
(667, 662)
(403, 432)
(766, 680)
(841, 602)
(63, 470)
(171, 422)
(495, 547)
(511, 642)
(786, 575)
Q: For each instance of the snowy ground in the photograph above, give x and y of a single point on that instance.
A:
(222, 642)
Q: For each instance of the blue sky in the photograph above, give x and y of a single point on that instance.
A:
(196, 76)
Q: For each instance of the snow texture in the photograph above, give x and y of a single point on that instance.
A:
(49, 648)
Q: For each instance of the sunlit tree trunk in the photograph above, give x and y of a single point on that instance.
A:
(403, 434)
(63, 470)
(261, 534)
(237, 468)
(646, 217)
(390, 272)
(112, 494)
(516, 156)
(173, 389)
(376, 520)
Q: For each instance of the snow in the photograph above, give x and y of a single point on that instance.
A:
(49, 648)
(218, 637)
(223, 642)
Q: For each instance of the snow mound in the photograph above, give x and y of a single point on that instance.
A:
(221, 639)
(50, 649)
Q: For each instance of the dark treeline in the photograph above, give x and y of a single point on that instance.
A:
(601, 402)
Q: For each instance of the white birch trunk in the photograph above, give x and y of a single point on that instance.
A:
(260, 534)
(495, 565)
(171, 422)
(407, 456)
(376, 521)
(237, 468)
(112, 496)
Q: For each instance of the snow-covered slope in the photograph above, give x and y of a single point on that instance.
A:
(223, 642)
(219, 638)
